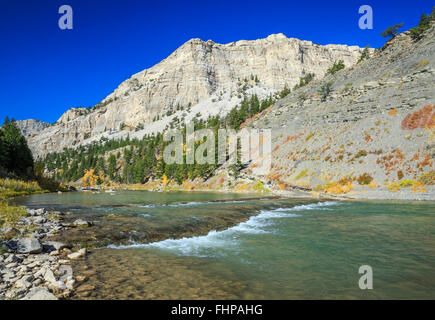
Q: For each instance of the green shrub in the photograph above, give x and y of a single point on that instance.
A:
(325, 90)
(365, 179)
(306, 79)
(361, 153)
(364, 54)
(406, 183)
(285, 92)
(337, 66)
(400, 175)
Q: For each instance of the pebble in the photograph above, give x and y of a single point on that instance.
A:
(34, 268)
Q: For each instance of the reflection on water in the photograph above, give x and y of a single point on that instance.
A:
(253, 249)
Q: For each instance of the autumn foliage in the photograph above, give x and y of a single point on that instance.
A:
(422, 118)
(89, 178)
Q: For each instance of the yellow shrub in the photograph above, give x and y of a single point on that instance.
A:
(259, 187)
(394, 187)
(428, 178)
(406, 183)
(302, 174)
(309, 136)
(417, 186)
(337, 187)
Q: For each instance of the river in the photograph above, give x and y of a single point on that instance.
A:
(191, 245)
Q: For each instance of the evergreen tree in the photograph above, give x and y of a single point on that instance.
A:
(424, 24)
(392, 31)
(16, 156)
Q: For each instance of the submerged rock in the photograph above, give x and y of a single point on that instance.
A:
(54, 245)
(77, 254)
(80, 223)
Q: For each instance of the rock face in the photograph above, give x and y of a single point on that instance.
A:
(200, 76)
(31, 127)
(376, 128)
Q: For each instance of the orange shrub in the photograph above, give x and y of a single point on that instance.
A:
(367, 138)
(421, 118)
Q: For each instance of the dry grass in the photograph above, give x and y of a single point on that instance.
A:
(10, 188)
(10, 215)
(422, 63)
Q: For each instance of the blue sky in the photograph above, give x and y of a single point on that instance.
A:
(45, 70)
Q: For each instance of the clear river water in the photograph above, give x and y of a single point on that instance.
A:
(154, 245)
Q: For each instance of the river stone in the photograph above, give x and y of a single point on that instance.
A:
(77, 254)
(29, 245)
(50, 277)
(10, 258)
(14, 293)
(23, 283)
(66, 272)
(56, 245)
(80, 222)
(39, 293)
(35, 212)
(39, 220)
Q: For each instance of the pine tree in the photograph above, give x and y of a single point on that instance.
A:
(392, 31)
(16, 155)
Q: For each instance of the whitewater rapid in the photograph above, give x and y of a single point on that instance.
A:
(258, 224)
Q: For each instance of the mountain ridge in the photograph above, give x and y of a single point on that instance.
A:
(198, 77)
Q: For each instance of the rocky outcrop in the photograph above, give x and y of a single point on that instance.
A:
(31, 127)
(372, 136)
(199, 77)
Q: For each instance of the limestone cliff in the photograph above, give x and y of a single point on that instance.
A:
(31, 127)
(199, 77)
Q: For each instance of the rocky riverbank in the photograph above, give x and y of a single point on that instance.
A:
(32, 267)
